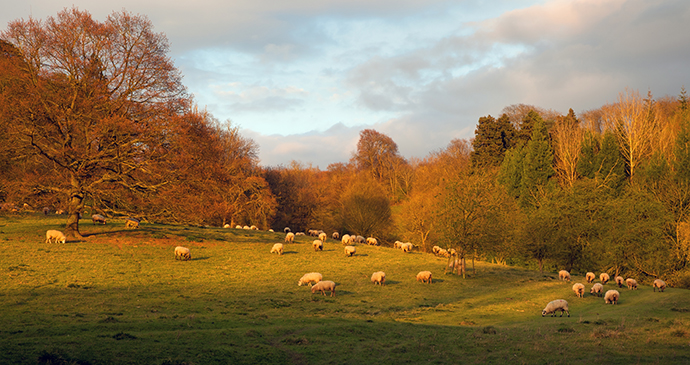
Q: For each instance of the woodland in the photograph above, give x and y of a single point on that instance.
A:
(95, 119)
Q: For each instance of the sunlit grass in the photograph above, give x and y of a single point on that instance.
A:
(119, 296)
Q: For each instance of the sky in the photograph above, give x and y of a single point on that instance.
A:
(302, 78)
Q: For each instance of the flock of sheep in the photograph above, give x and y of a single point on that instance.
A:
(610, 297)
(56, 236)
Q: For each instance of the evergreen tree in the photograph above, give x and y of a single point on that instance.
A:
(610, 165)
(537, 167)
(586, 165)
(492, 139)
(527, 125)
(510, 173)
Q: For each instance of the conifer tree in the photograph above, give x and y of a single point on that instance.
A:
(537, 167)
(492, 139)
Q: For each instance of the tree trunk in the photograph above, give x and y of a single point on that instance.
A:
(76, 204)
(541, 266)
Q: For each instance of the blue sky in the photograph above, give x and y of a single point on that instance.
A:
(302, 78)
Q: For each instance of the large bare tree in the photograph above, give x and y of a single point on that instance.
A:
(94, 101)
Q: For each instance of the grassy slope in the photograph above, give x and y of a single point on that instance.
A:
(120, 297)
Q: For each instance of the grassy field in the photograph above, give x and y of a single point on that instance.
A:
(119, 297)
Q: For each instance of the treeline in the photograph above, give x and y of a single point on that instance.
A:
(96, 119)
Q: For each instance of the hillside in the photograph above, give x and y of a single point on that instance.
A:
(120, 297)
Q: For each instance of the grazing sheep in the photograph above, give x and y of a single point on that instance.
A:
(424, 276)
(372, 241)
(406, 247)
(323, 236)
(60, 211)
(604, 277)
(658, 283)
(379, 277)
(299, 234)
(597, 289)
(310, 278)
(57, 236)
(271, 230)
(286, 229)
(182, 253)
(590, 277)
(131, 223)
(290, 237)
(46, 210)
(97, 218)
(318, 245)
(277, 248)
(443, 252)
(434, 249)
(350, 250)
(336, 235)
(246, 227)
(579, 290)
(254, 228)
(555, 306)
(346, 239)
(564, 275)
(238, 227)
(313, 232)
(611, 297)
(631, 283)
(226, 225)
(323, 287)
(620, 281)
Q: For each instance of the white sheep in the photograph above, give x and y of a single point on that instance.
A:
(336, 235)
(182, 253)
(271, 230)
(612, 296)
(290, 237)
(277, 248)
(254, 228)
(246, 227)
(379, 277)
(397, 244)
(299, 234)
(360, 239)
(318, 245)
(597, 289)
(406, 247)
(579, 290)
(631, 283)
(46, 210)
(604, 277)
(226, 225)
(323, 287)
(564, 275)
(313, 232)
(286, 229)
(424, 276)
(323, 236)
(590, 277)
(658, 283)
(310, 278)
(555, 306)
(131, 223)
(238, 227)
(443, 252)
(97, 218)
(346, 239)
(434, 249)
(53, 235)
(372, 241)
(350, 250)
(620, 281)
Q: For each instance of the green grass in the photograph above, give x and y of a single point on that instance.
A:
(119, 297)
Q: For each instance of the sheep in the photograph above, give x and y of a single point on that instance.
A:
(424, 276)
(597, 289)
(310, 278)
(631, 283)
(579, 290)
(612, 296)
(57, 236)
(182, 253)
(313, 233)
(360, 239)
(299, 234)
(254, 228)
(60, 212)
(443, 252)
(590, 277)
(346, 239)
(323, 236)
(290, 237)
(226, 225)
(323, 287)
(350, 250)
(238, 227)
(564, 275)
(271, 230)
(372, 241)
(97, 218)
(318, 245)
(379, 277)
(658, 283)
(336, 235)
(555, 306)
(246, 227)
(434, 249)
(287, 230)
(407, 247)
(277, 248)
(131, 223)
(604, 277)
(620, 281)
(46, 210)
